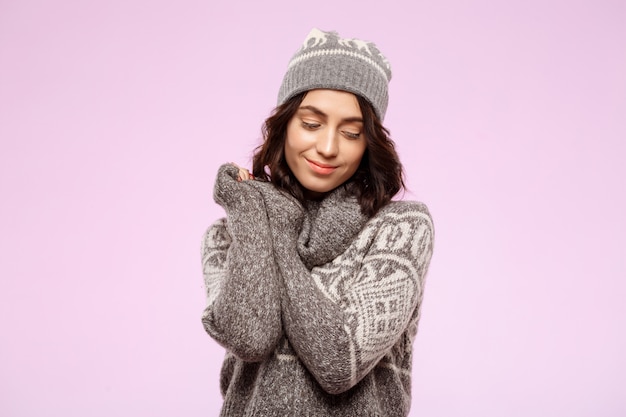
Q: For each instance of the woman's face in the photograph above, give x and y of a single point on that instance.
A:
(325, 140)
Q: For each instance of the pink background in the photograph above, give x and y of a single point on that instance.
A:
(510, 118)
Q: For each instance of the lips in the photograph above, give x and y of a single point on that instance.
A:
(320, 168)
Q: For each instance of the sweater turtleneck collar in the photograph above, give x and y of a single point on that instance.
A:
(329, 227)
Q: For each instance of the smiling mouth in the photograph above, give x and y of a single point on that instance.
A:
(319, 168)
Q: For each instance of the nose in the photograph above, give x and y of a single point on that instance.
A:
(327, 144)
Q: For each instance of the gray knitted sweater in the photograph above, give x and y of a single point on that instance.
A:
(316, 307)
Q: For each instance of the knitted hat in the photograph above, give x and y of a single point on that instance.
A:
(327, 61)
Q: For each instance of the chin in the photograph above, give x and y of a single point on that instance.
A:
(316, 188)
(315, 192)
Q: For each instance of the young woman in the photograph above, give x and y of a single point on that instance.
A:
(315, 277)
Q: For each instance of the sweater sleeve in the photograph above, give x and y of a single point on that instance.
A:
(343, 317)
(240, 274)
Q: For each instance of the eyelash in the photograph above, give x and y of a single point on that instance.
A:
(313, 126)
(310, 126)
(351, 135)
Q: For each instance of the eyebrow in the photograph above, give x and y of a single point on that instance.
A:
(322, 114)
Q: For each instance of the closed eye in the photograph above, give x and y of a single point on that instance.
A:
(351, 135)
(310, 126)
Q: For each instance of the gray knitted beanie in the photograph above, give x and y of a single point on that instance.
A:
(327, 61)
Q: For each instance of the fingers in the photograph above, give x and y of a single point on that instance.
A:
(243, 174)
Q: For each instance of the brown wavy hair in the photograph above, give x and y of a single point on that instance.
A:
(378, 178)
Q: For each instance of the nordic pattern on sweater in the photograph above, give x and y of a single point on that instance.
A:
(346, 323)
(378, 282)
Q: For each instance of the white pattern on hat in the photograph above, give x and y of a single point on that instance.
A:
(360, 45)
(297, 59)
(319, 38)
(327, 61)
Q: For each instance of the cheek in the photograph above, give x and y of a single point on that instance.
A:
(354, 155)
(290, 147)
(298, 138)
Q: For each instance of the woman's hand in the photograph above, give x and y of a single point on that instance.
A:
(231, 193)
(243, 174)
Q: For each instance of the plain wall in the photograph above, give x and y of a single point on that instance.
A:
(510, 118)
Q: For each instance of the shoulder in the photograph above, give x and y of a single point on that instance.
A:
(405, 225)
(400, 226)
(404, 211)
